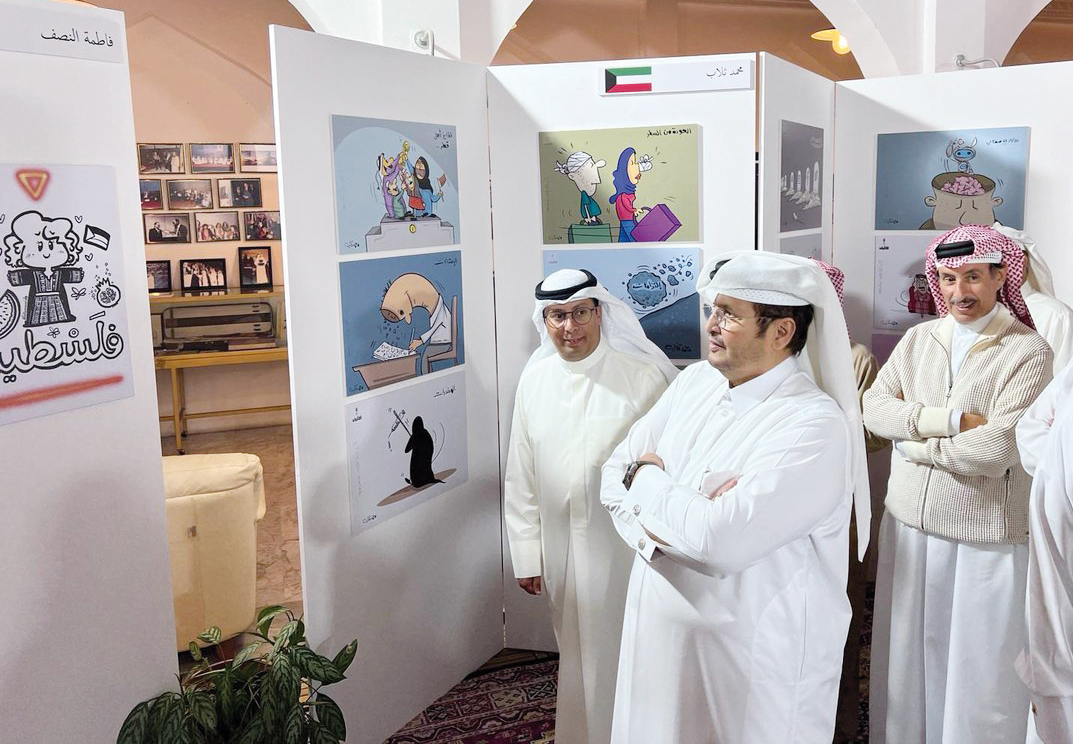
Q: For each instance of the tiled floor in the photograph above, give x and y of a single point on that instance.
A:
(279, 579)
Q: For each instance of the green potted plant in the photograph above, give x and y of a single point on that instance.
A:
(270, 692)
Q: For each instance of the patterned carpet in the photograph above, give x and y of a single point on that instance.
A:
(509, 700)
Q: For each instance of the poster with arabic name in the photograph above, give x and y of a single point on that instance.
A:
(63, 318)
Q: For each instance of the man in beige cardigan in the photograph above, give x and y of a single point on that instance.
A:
(949, 617)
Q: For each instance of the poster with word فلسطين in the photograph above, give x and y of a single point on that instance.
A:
(628, 185)
(63, 318)
(658, 283)
(405, 446)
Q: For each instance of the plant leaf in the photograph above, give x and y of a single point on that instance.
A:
(228, 701)
(202, 707)
(319, 735)
(210, 636)
(294, 730)
(315, 666)
(136, 725)
(195, 651)
(265, 616)
(171, 720)
(284, 636)
(286, 681)
(248, 652)
(253, 732)
(345, 656)
(330, 716)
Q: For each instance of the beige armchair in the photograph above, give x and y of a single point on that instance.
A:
(213, 503)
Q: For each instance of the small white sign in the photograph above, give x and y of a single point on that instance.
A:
(722, 73)
(60, 32)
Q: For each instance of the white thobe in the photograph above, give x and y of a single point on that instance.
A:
(1054, 321)
(1045, 441)
(568, 416)
(734, 631)
(947, 626)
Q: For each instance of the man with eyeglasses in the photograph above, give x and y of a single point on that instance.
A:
(953, 560)
(593, 374)
(735, 493)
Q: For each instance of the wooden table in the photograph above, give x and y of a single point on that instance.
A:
(178, 363)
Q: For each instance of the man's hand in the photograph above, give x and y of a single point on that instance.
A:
(415, 343)
(653, 458)
(971, 421)
(530, 584)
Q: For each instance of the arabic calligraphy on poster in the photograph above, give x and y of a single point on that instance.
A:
(82, 33)
(63, 320)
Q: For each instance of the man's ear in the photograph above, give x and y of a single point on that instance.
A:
(783, 333)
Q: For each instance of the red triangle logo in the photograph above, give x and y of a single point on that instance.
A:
(33, 182)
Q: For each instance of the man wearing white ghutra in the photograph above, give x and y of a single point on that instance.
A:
(735, 493)
(593, 374)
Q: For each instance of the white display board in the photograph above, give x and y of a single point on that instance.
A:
(83, 543)
(525, 100)
(973, 99)
(793, 102)
(421, 591)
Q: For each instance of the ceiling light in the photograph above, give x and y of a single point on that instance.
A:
(838, 41)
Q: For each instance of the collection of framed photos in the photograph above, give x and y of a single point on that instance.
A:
(212, 211)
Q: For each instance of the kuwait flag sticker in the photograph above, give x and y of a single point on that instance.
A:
(628, 80)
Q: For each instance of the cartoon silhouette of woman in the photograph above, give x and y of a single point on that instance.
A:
(42, 253)
(625, 179)
(421, 448)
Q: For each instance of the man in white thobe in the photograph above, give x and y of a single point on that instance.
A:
(1052, 317)
(592, 376)
(735, 493)
(949, 610)
(1045, 441)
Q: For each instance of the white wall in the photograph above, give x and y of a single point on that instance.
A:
(85, 582)
(525, 100)
(422, 591)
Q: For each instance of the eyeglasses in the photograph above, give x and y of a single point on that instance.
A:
(724, 318)
(581, 316)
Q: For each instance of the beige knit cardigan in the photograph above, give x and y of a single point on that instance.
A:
(969, 486)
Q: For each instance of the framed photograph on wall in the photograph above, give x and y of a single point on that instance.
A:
(263, 226)
(160, 159)
(256, 158)
(152, 197)
(213, 227)
(190, 193)
(158, 276)
(203, 273)
(212, 158)
(167, 227)
(255, 267)
(239, 192)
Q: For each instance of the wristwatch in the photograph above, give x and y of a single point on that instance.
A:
(631, 471)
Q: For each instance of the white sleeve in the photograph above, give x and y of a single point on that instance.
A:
(521, 510)
(763, 512)
(1035, 424)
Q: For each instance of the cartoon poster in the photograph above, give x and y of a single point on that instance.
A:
(631, 185)
(659, 284)
(402, 318)
(800, 192)
(396, 184)
(405, 447)
(806, 246)
(902, 295)
(939, 180)
(63, 321)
